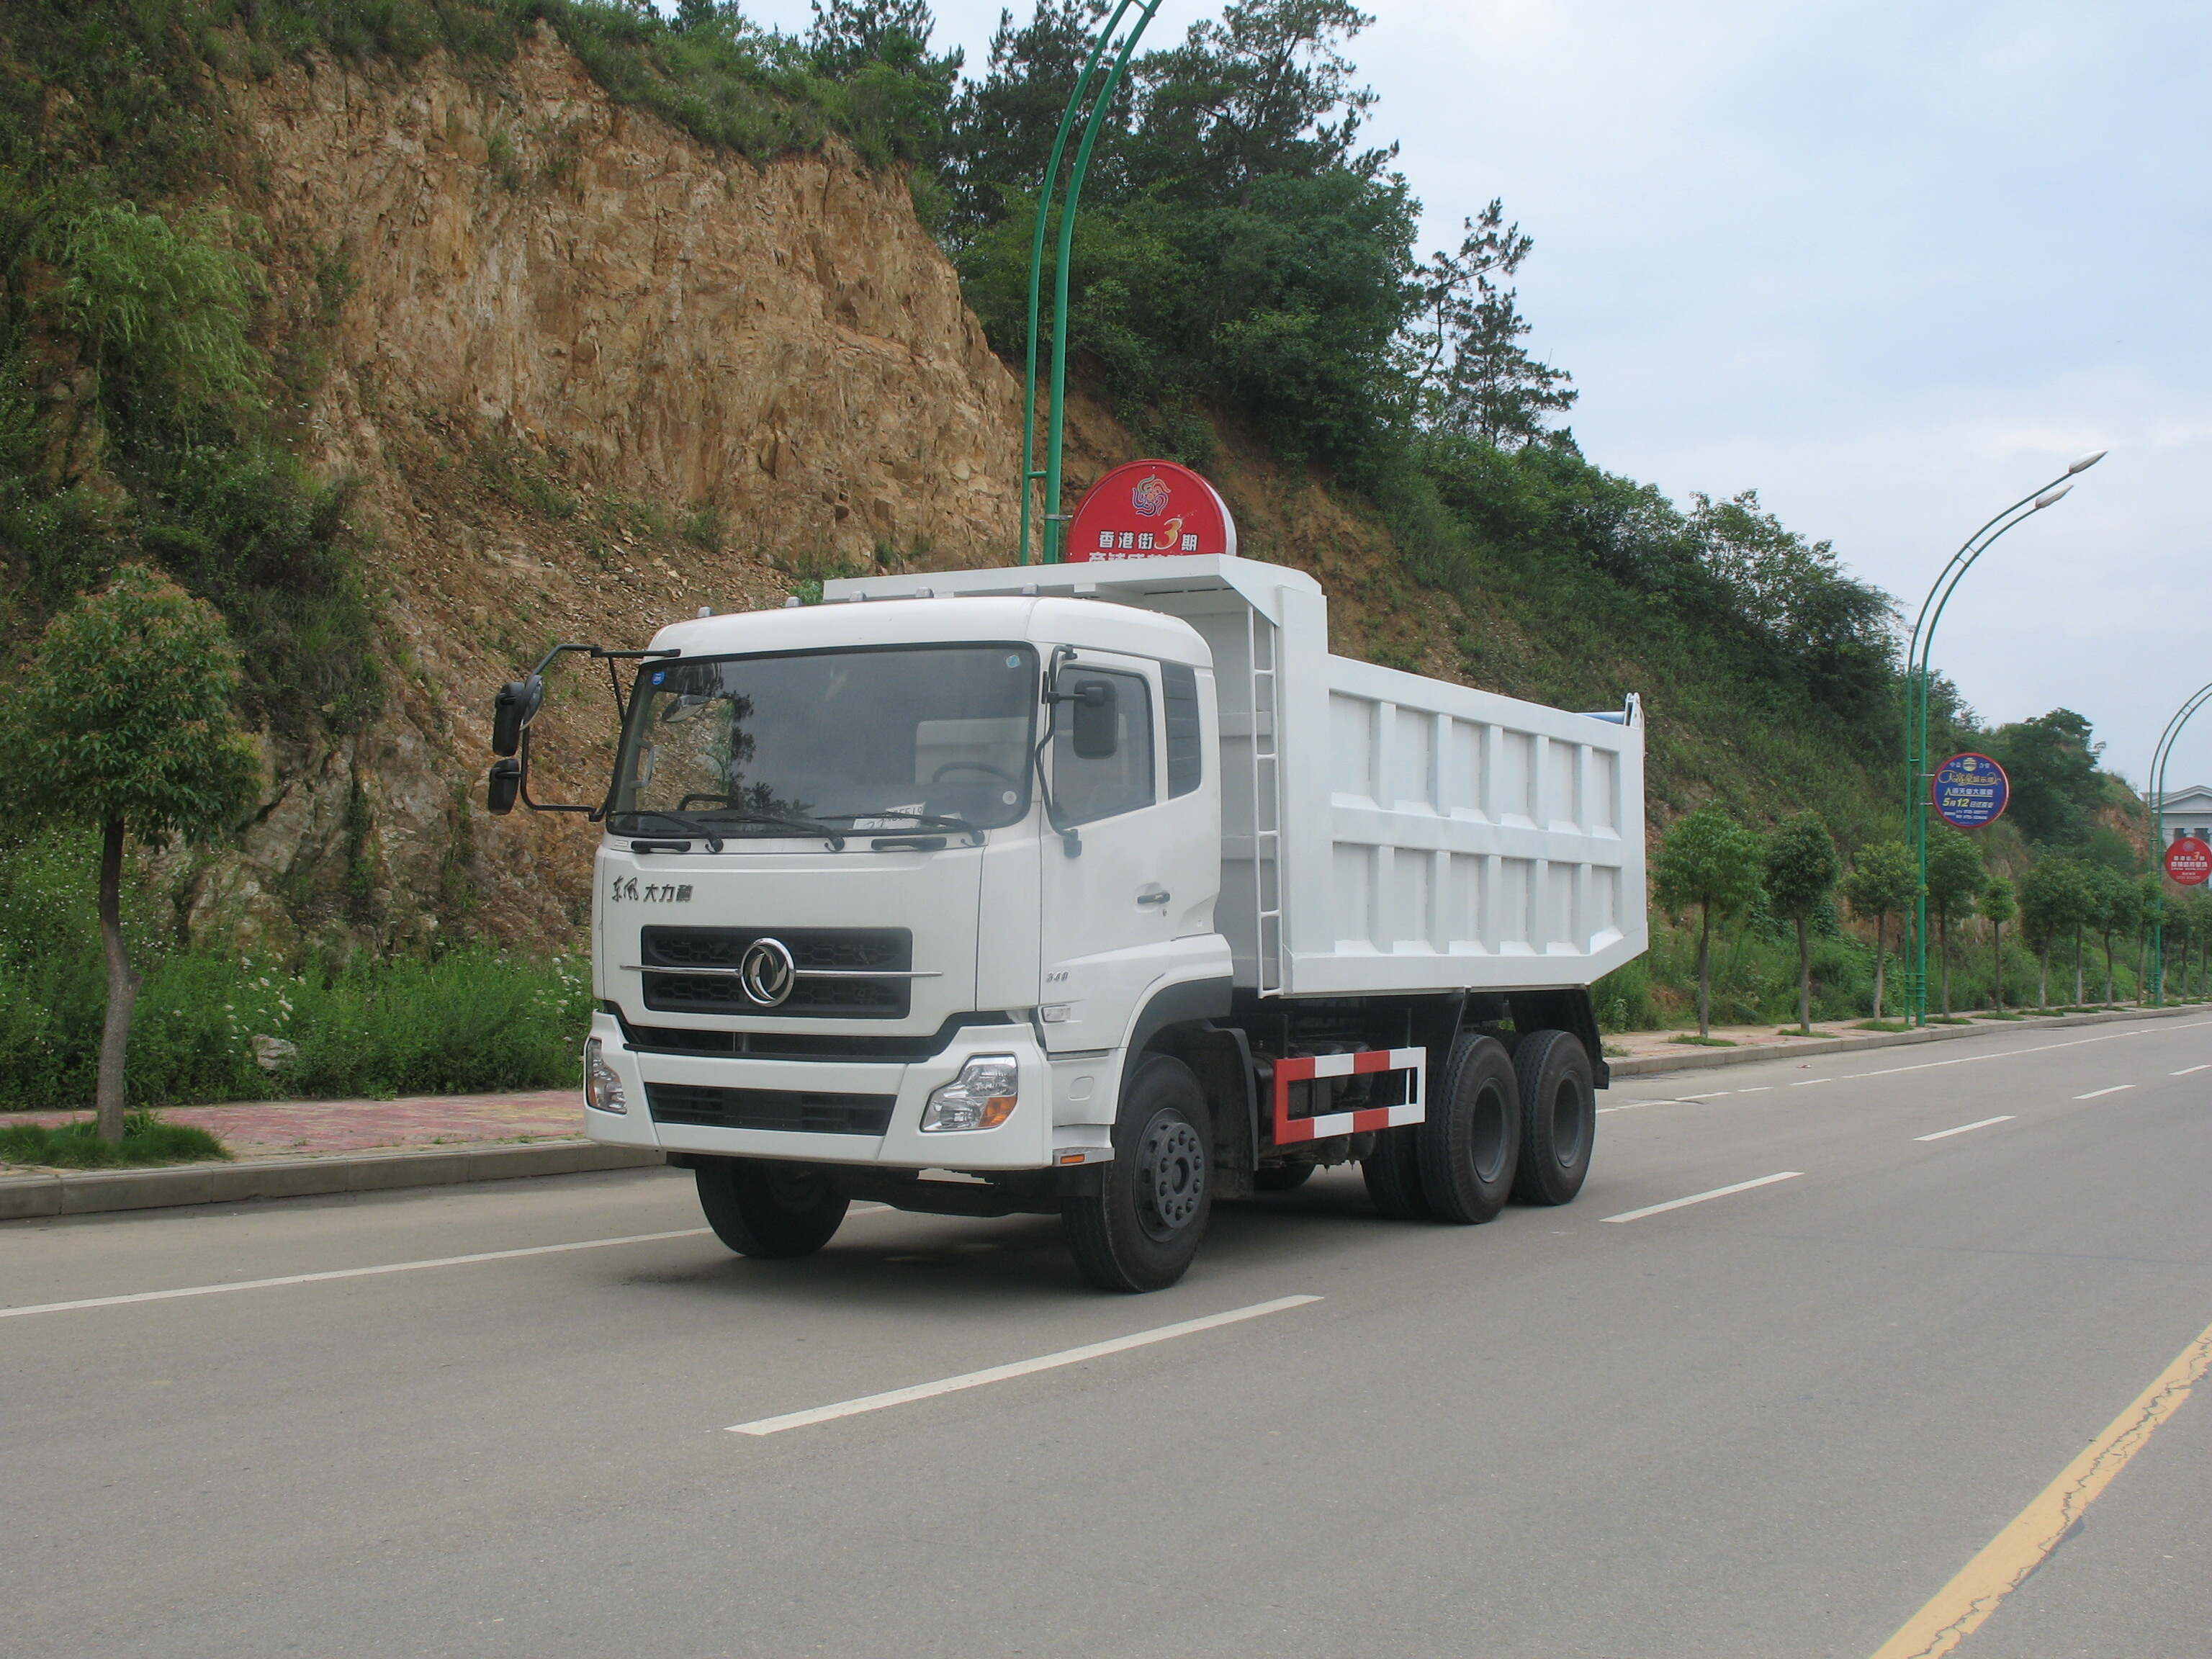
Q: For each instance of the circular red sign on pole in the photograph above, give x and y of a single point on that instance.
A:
(1148, 509)
(2189, 860)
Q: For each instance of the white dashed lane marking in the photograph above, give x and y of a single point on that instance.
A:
(2098, 1094)
(1700, 1198)
(1945, 1134)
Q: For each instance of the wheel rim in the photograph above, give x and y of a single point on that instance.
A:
(1567, 1124)
(1490, 1133)
(1170, 1174)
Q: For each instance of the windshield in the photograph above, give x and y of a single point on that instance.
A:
(887, 738)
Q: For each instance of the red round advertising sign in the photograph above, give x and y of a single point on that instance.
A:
(2189, 860)
(1147, 510)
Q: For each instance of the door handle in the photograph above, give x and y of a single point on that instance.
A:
(1153, 895)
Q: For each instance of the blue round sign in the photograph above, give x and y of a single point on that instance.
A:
(1969, 791)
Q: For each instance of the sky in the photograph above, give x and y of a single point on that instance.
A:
(1893, 265)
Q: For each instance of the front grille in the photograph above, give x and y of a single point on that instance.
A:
(794, 1045)
(844, 950)
(791, 1111)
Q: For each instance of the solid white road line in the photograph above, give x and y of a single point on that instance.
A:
(876, 1402)
(2098, 1094)
(2186, 1070)
(348, 1272)
(382, 1267)
(1945, 1134)
(1700, 1198)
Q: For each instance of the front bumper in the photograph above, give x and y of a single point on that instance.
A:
(1024, 1141)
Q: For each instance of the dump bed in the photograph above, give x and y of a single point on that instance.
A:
(1380, 831)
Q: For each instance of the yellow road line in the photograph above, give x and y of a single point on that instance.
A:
(1960, 1605)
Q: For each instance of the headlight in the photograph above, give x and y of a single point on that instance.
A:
(981, 1097)
(603, 1089)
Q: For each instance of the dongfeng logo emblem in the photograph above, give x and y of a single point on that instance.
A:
(766, 971)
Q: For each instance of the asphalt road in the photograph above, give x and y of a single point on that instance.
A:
(1773, 1423)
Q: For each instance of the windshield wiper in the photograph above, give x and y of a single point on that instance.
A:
(916, 820)
(702, 826)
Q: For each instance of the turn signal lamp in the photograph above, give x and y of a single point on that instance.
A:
(981, 1097)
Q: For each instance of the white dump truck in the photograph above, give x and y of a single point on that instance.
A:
(1095, 890)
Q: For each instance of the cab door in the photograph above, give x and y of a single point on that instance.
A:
(1147, 870)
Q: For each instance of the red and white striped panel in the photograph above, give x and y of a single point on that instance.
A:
(1301, 1067)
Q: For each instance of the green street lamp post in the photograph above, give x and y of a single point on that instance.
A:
(1918, 763)
(2156, 804)
(1095, 93)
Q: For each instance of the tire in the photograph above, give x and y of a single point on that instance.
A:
(1469, 1143)
(1393, 1174)
(1559, 1117)
(759, 1207)
(1141, 1228)
(1287, 1179)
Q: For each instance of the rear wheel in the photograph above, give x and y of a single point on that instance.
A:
(1559, 1117)
(760, 1207)
(1141, 1228)
(1469, 1140)
(1284, 1178)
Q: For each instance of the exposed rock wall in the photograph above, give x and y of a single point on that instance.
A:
(590, 375)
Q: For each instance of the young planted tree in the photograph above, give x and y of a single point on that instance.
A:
(1800, 871)
(2150, 909)
(2054, 901)
(2000, 906)
(123, 719)
(1884, 882)
(2116, 904)
(1710, 860)
(1956, 876)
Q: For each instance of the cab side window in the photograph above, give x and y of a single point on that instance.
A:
(1092, 778)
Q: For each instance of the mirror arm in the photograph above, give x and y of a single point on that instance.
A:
(597, 653)
(1071, 840)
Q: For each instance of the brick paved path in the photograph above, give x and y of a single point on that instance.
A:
(270, 1128)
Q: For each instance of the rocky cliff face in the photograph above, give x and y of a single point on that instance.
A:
(590, 376)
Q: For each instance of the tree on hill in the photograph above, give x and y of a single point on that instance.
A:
(2000, 905)
(1800, 868)
(123, 719)
(1956, 876)
(2051, 761)
(2054, 901)
(1476, 378)
(1885, 882)
(1710, 860)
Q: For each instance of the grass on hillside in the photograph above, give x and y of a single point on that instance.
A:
(146, 1140)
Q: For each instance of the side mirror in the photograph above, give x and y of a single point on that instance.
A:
(502, 787)
(514, 708)
(1095, 730)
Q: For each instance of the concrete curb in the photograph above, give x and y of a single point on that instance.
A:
(86, 1192)
(1698, 1060)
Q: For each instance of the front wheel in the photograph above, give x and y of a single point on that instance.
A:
(759, 1207)
(1559, 1117)
(1141, 1228)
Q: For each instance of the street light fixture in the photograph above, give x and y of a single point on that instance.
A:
(1916, 758)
